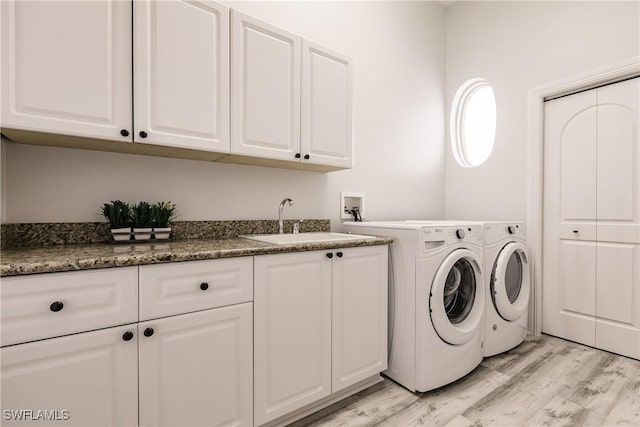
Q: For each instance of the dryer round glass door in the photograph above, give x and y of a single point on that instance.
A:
(510, 282)
(456, 300)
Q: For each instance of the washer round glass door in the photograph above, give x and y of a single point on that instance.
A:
(510, 281)
(457, 297)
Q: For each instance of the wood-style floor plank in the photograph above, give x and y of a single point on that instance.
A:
(546, 381)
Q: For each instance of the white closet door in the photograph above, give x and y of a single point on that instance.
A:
(569, 240)
(66, 67)
(182, 74)
(618, 214)
(591, 252)
(265, 87)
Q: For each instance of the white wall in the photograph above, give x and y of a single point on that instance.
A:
(516, 46)
(399, 67)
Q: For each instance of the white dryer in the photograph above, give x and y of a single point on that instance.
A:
(436, 300)
(508, 286)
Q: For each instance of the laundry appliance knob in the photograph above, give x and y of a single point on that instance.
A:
(460, 233)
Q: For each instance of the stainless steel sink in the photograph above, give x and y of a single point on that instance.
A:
(286, 239)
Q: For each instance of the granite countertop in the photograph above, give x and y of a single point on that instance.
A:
(50, 259)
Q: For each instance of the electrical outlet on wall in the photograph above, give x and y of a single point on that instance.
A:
(350, 200)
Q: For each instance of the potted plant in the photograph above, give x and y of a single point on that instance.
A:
(142, 221)
(163, 213)
(119, 216)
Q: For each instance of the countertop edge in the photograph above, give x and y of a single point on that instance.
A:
(114, 260)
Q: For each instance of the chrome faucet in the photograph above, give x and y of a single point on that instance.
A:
(280, 222)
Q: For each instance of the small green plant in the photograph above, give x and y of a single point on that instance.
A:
(163, 213)
(142, 215)
(117, 213)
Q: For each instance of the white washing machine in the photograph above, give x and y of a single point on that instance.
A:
(436, 300)
(507, 283)
(508, 286)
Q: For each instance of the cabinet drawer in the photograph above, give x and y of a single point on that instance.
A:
(183, 287)
(49, 305)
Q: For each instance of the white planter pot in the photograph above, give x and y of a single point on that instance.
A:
(142, 233)
(121, 234)
(161, 233)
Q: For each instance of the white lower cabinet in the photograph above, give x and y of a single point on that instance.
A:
(196, 369)
(359, 315)
(300, 357)
(88, 379)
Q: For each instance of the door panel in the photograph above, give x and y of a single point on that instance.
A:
(265, 87)
(598, 269)
(617, 282)
(569, 234)
(577, 166)
(578, 279)
(292, 327)
(67, 67)
(359, 294)
(327, 129)
(196, 369)
(93, 375)
(182, 94)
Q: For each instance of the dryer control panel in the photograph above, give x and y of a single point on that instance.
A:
(436, 236)
(497, 231)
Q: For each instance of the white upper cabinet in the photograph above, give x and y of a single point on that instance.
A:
(181, 74)
(327, 106)
(66, 67)
(265, 89)
(291, 99)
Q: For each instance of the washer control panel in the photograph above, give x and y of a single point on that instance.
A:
(435, 236)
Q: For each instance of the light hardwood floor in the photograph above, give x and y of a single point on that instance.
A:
(546, 381)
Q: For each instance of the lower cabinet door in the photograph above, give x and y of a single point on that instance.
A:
(196, 369)
(292, 302)
(88, 379)
(359, 324)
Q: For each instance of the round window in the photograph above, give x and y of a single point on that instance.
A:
(473, 123)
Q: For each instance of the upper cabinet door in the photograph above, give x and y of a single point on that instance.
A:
(327, 106)
(66, 67)
(181, 74)
(265, 88)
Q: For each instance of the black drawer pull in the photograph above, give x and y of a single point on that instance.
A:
(330, 255)
(148, 332)
(127, 336)
(339, 254)
(204, 286)
(56, 306)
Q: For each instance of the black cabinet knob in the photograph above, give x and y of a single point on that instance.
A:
(148, 332)
(306, 157)
(330, 255)
(576, 231)
(143, 134)
(127, 336)
(297, 155)
(56, 306)
(204, 286)
(124, 132)
(339, 254)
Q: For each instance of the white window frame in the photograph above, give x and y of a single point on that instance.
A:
(458, 111)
